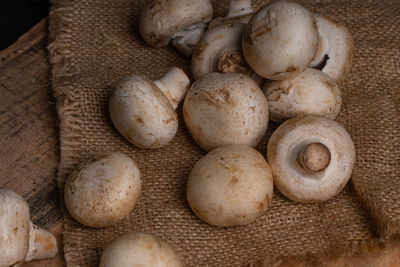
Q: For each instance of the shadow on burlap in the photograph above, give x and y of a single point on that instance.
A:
(94, 44)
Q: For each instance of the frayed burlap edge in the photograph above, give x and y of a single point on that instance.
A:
(68, 104)
(67, 96)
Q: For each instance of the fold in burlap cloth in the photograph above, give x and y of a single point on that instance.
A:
(93, 44)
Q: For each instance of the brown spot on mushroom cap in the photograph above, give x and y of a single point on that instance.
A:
(226, 190)
(270, 46)
(104, 190)
(234, 180)
(315, 157)
(224, 106)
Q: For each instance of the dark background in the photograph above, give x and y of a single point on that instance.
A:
(18, 16)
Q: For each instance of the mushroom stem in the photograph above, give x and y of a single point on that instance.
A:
(315, 157)
(232, 62)
(239, 8)
(186, 40)
(174, 84)
(42, 244)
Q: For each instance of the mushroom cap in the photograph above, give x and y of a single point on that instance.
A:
(138, 249)
(335, 42)
(14, 228)
(104, 190)
(280, 40)
(231, 185)
(142, 113)
(161, 19)
(290, 178)
(222, 109)
(216, 41)
(312, 92)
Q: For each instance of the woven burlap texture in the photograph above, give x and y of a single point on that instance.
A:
(93, 44)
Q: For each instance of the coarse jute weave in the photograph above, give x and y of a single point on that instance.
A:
(93, 44)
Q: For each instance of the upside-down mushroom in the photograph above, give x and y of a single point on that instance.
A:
(335, 50)
(311, 158)
(220, 50)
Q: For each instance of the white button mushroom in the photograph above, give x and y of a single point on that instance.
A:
(103, 191)
(138, 249)
(312, 92)
(220, 50)
(222, 109)
(144, 111)
(182, 22)
(240, 11)
(231, 185)
(20, 240)
(311, 158)
(335, 51)
(280, 40)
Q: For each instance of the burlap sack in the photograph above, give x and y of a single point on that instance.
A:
(93, 44)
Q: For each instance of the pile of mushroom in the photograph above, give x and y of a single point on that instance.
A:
(310, 157)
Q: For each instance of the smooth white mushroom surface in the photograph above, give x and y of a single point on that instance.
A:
(138, 249)
(182, 22)
(232, 185)
(335, 50)
(220, 50)
(280, 40)
(103, 190)
(20, 240)
(144, 111)
(311, 158)
(312, 92)
(222, 109)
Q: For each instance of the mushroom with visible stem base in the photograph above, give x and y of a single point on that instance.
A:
(335, 49)
(311, 158)
(144, 111)
(20, 240)
(315, 157)
(220, 50)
